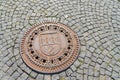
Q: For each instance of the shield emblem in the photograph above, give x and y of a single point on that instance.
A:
(50, 43)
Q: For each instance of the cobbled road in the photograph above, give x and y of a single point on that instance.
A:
(97, 23)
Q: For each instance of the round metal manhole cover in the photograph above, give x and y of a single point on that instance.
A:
(49, 47)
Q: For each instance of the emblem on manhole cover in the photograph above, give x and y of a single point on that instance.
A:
(49, 47)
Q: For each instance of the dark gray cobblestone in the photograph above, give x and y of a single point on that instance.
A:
(97, 23)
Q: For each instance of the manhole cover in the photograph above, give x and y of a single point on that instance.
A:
(49, 47)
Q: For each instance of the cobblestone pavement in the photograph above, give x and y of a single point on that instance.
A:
(97, 23)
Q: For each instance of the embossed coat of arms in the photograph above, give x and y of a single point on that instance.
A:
(50, 43)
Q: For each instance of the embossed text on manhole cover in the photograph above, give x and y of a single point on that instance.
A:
(49, 47)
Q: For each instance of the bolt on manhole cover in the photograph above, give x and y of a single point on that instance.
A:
(49, 47)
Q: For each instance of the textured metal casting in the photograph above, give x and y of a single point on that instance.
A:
(49, 47)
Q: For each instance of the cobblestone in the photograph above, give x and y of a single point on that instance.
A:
(1, 74)
(39, 77)
(69, 72)
(33, 74)
(96, 22)
(55, 77)
(5, 78)
(47, 77)
(15, 75)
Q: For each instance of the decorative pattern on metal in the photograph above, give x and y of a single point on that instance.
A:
(49, 47)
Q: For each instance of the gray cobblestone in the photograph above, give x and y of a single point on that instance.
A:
(77, 63)
(74, 74)
(39, 77)
(5, 78)
(67, 78)
(108, 73)
(55, 77)
(23, 76)
(15, 75)
(102, 71)
(33, 74)
(5, 68)
(73, 67)
(117, 56)
(1, 74)
(99, 60)
(69, 72)
(47, 77)
(115, 75)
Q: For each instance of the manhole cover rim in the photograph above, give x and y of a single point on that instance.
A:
(34, 27)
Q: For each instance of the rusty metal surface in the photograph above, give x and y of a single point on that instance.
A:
(49, 47)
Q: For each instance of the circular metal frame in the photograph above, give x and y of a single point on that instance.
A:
(49, 47)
